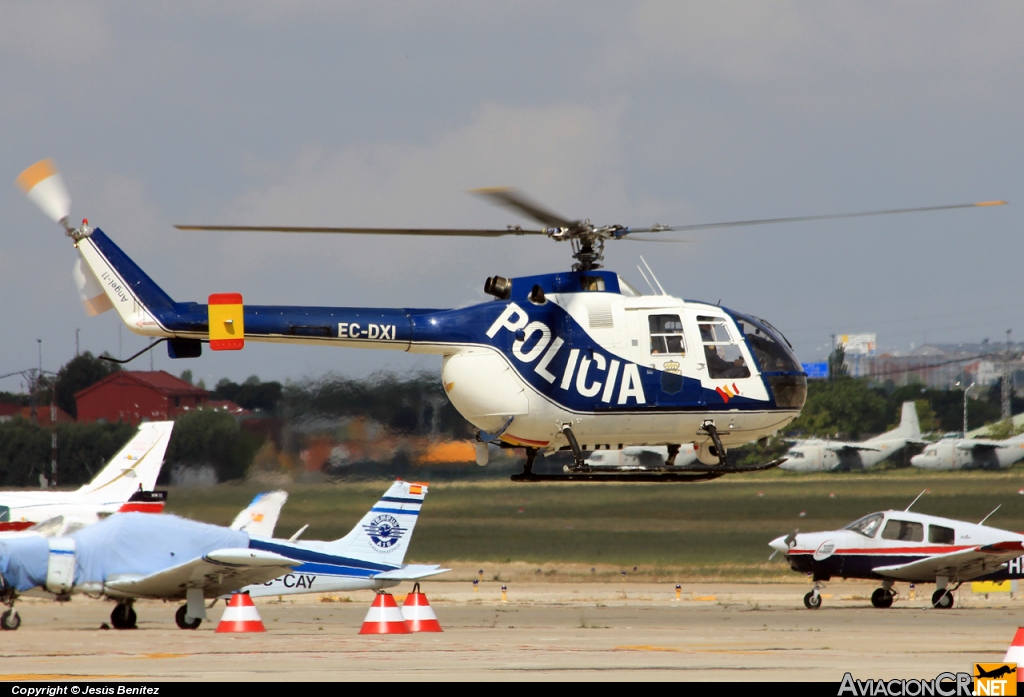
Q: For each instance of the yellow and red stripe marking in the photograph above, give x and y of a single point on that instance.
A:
(227, 322)
(727, 392)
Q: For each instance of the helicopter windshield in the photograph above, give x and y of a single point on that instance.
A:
(774, 355)
(868, 525)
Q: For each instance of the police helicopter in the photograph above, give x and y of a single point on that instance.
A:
(575, 360)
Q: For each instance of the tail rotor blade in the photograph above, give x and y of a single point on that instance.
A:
(43, 185)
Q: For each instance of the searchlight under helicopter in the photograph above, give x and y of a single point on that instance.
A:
(576, 360)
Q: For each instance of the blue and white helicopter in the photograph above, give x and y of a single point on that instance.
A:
(576, 360)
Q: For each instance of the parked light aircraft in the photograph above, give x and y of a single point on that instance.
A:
(970, 454)
(124, 484)
(133, 555)
(574, 360)
(828, 456)
(895, 546)
(642, 458)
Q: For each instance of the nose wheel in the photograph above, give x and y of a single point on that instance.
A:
(10, 620)
(812, 601)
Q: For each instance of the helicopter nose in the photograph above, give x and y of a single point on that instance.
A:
(779, 544)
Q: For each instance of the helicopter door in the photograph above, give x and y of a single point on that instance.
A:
(669, 353)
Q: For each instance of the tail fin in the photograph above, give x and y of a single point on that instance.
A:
(136, 465)
(142, 305)
(260, 518)
(909, 426)
(383, 535)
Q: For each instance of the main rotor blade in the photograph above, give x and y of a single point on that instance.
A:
(805, 218)
(510, 198)
(456, 232)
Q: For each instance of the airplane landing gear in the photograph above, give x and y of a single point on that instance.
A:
(10, 620)
(882, 597)
(123, 616)
(186, 622)
(942, 599)
(812, 601)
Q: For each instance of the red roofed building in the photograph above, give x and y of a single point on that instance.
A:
(133, 396)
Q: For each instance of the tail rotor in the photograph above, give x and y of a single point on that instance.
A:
(44, 187)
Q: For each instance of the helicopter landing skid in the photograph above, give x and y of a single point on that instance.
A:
(693, 473)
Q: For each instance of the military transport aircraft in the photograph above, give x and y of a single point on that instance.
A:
(829, 456)
(124, 484)
(641, 458)
(132, 555)
(970, 454)
(892, 546)
(575, 360)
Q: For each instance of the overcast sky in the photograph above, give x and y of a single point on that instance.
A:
(371, 113)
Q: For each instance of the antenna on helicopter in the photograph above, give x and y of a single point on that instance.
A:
(654, 291)
(653, 276)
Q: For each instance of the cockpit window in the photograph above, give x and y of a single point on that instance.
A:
(796, 455)
(724, 358)
(941, 535)
(868, 525)
(931, 451)
(5, 514)
(903, 530)
(771, 350)
(666, 334)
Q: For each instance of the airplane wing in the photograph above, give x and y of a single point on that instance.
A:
(962, 565)
(840, 447)
(979, 444)
(218, 573)
(411, 572)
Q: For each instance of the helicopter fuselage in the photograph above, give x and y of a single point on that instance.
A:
(580, 348)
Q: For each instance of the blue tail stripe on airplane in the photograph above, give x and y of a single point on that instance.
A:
(308, 555)
(398, 499)
(377, 509)
(335, 570)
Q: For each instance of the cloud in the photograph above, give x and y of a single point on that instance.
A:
(54, 34)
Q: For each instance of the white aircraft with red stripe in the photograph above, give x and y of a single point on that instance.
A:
(892, 546)
(125, 484)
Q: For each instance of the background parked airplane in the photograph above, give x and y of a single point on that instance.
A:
(641, 458)
(970, 453)
(124, 484)
(895, 546)
(826, 456)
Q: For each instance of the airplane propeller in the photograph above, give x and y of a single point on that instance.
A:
(790, 540)
(586, 238)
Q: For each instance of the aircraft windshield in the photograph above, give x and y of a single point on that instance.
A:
(868, 525)
(770, 348)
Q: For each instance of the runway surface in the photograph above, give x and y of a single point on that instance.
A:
(548, 631)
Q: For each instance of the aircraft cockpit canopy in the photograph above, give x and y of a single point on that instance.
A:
(868, 525)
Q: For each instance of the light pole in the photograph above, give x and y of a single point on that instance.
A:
(966, 392)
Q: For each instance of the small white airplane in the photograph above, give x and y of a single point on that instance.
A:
(970, 454)
(643, 458)
(124, 484)
(892, 546)
(131, 555)
(830, 456)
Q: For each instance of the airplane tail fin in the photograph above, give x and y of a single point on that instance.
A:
(384, 533)
(909, 426)
(136, 466)
(260, 518)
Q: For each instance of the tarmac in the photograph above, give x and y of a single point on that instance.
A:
(545, 631)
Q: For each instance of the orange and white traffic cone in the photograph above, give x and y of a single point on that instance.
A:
(1015, 654)
(240, 616)
(418, 614)
(384, 617)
